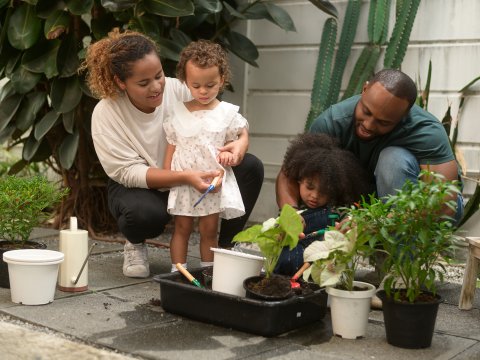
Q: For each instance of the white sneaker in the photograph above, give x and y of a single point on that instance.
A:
(135, 262)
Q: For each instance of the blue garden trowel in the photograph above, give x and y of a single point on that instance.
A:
(210, 188)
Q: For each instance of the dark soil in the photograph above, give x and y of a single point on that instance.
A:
(276, 286)
(155, 302)
(423, 298)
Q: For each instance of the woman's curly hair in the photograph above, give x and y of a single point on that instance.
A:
(114, 56)
(205, 54)
(339, 172)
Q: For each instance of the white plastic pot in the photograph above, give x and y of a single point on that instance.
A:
(33, 275)
(230, 268)
(350, 309)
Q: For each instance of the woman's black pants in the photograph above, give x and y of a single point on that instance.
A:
(142, 213)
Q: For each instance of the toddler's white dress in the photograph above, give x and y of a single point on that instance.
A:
(196, 136)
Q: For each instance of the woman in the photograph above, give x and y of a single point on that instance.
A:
(125, 72)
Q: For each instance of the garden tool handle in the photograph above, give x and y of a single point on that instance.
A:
(83, 265)
(300, 271)
(187, 274)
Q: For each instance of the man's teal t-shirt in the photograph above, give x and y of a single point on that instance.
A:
(419, 132)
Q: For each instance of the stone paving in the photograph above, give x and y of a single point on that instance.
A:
(117, 318)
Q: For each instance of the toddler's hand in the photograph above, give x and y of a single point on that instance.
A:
(226, 158)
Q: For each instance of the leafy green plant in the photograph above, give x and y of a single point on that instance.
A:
(273, 235)
(336, 258)
(24, 204)
(45, 106)
(413, 231)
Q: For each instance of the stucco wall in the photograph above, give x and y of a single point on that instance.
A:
(276, 96)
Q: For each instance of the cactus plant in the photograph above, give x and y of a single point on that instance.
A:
(377, 29)
(349, 29)
(397, 46)
(321, 82)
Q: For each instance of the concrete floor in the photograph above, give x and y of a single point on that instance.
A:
(118, 318)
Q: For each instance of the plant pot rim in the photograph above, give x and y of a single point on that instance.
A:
(383, 296)
(354, 294)
(33, 257)
(236, 253)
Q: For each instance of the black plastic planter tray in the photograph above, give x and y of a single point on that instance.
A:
(265, 318)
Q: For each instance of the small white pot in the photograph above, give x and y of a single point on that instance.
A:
(230, 268)
(33, 275)
(350, 309)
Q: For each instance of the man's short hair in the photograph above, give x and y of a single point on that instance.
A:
(396, 83)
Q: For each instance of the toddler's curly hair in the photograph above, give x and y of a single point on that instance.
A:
(205, 54)
(319, 156)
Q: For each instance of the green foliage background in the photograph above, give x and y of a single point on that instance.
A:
(45, 106)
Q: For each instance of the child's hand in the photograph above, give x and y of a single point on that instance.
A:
(226, 158)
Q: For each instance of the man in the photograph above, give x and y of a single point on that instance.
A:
(391, 137)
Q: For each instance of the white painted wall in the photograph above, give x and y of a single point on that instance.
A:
(276, 96)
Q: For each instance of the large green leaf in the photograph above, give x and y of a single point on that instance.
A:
(31, 2)
(24, 27)
(68, 150)
(7, 133)
(208, 6)
(118, 5)
(8, 108)
(242, 47)
(45, 124)
(280, 17)
(66, 94)
(169, 8)
(42, 58)
(149, 25)
(30, 107)
(233, 12)
(23, 80)
(101, 25)
(45, 8)
(79, 7)
(326, 7)
(17, 167)
(179, 37)
(30, 148)
(254, 12)
(56, 24)
(68, 120)
(7, 52)
(6, 90)
(67, 58)
(3, 3)
(169, 49)
(11, 64)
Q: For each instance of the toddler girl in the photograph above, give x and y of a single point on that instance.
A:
(195, 130)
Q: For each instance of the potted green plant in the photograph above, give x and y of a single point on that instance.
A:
(334, 261)
(271, 237)
(416, 236)
(24, 204)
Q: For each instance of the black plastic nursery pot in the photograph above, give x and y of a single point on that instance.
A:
(265, 318)
(13, 245)
(258, 287)
(409, 325)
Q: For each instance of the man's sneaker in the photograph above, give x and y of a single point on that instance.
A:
(135, 262)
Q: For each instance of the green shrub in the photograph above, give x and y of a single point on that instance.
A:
(24, 204)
